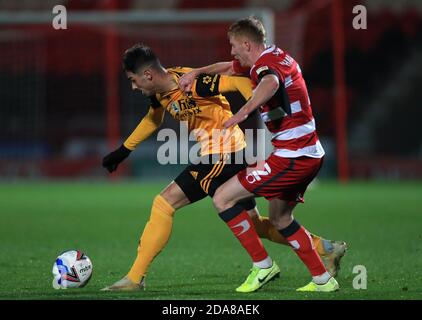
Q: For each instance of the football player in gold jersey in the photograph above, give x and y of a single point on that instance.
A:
(205, 110)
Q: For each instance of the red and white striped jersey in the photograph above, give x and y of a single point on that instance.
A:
(288, 114)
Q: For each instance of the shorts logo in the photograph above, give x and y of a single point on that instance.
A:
(256, 175)
(194, 174)
(245, 227)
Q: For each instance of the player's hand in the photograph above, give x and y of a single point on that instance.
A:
(113, 159)
(186, 81)
(236, 119)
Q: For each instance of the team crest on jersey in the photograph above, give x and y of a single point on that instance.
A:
(175, 107)
(183, 109)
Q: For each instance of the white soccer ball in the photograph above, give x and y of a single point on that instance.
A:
(72, 269)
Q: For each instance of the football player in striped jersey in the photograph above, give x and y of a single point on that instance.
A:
(280, 94)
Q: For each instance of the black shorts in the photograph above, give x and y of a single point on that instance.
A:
(200, 180)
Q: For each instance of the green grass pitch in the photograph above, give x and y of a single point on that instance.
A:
(381, 222)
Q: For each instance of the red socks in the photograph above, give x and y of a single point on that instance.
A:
(243, 228)
(301, 242)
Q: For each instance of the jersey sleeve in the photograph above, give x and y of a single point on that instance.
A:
(207, 85)
(241, 84)
(281, 95)
(211, 85)
(264, 69)
(151, 122)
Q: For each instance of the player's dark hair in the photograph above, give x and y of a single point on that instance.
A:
(139, 56)
(250, 27)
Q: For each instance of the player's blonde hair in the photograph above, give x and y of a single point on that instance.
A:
(250, 27)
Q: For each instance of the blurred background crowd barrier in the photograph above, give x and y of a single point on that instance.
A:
(65, 102)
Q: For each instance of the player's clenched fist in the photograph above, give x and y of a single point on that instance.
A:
(113, 159)
(186, 81)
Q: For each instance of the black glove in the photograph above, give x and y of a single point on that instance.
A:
(113, 159)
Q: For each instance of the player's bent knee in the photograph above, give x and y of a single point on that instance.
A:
(274, 221)
(174, 196)
(280, 221)
(163, 205)
(219, 201)
(160, 199)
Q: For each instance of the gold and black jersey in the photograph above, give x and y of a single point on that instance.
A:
(204, 110)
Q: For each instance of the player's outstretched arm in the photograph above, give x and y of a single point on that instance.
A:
(113, 159)
(186, 81)
(151, 122)
(262, 93)
(233, 83)
(207, 85)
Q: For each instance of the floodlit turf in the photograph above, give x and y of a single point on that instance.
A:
(381, 222)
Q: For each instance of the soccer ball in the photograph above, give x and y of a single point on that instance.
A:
(72, 269)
